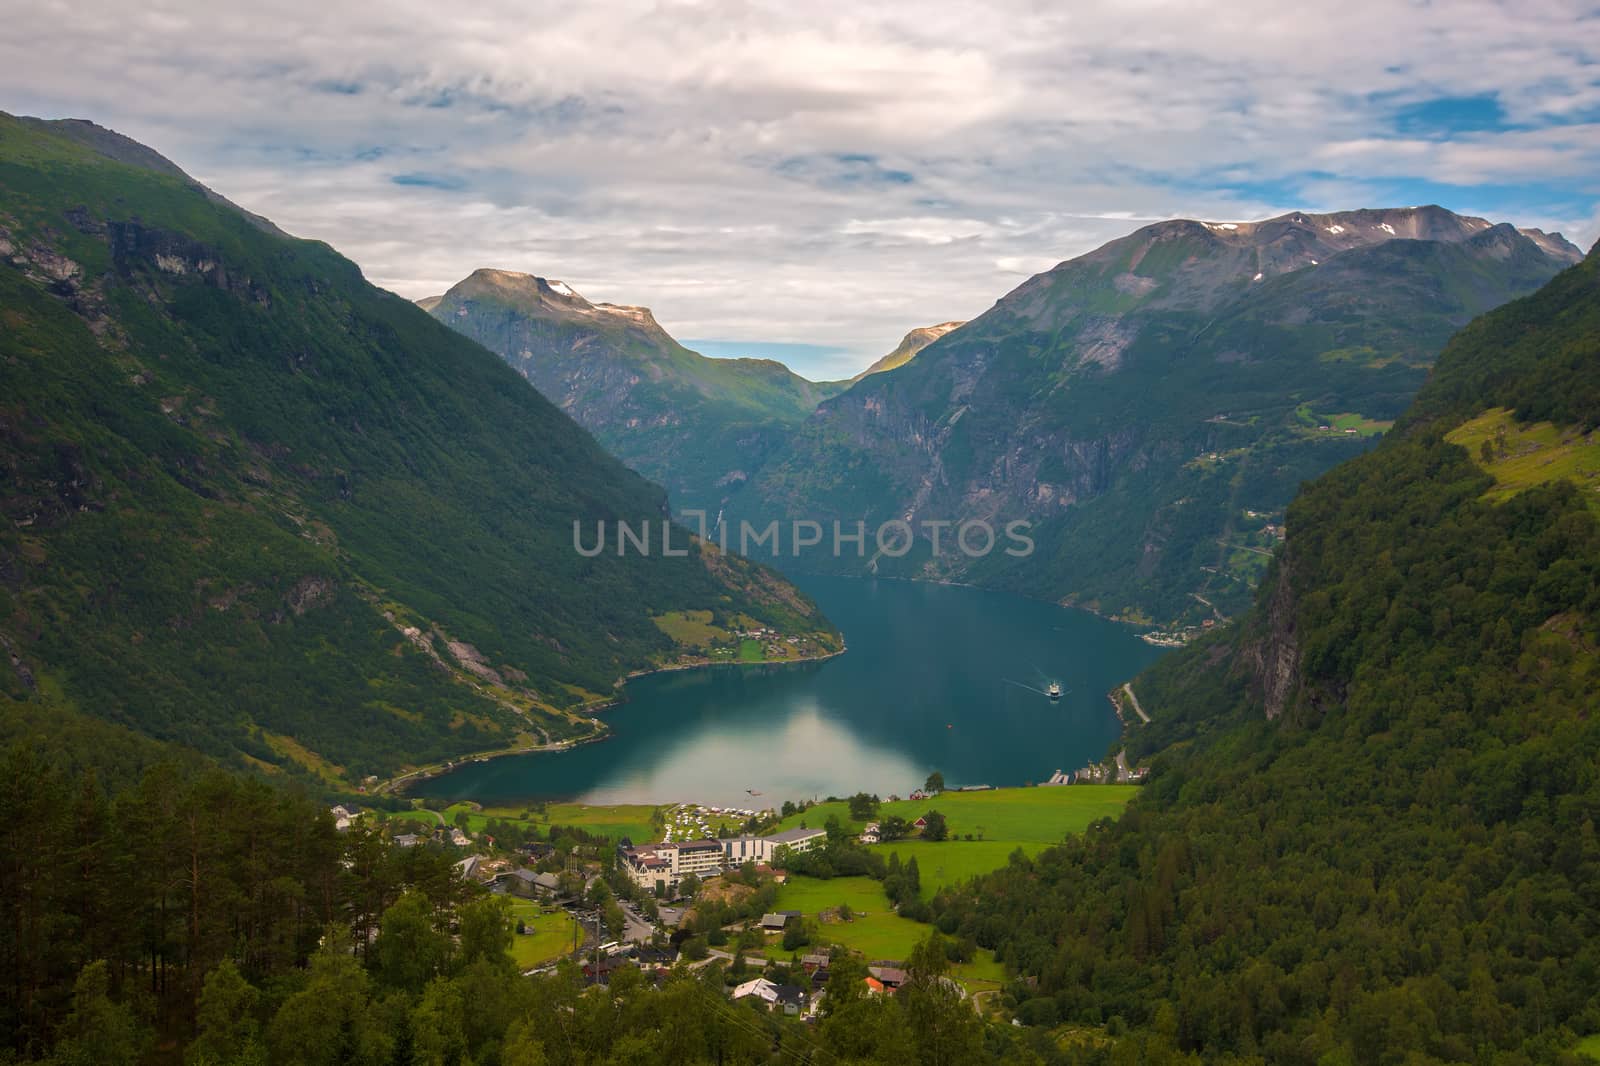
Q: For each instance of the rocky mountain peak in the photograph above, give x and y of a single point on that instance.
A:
(540, 297)
(909, 346)
(1194, 264)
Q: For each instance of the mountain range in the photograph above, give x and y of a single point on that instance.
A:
(1151, 406)
(1368, 834)
(262, 513)
(696, 425)
(261, 509)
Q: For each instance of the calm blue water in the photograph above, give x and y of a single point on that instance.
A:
(936, 678)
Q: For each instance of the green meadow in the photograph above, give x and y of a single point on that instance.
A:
(1037, 816)
(950, 862)
(1527, 454)
(630, 820)
(1006, 819)
(551, 937)
(874, 929)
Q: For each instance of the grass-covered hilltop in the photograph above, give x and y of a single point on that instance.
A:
(1369, 831)
(257, 507)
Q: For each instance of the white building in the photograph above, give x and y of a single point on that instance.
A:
(671, 861)
(760, 987)
(737, 851)
(791, 999)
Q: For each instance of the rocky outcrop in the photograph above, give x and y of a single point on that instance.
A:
(1272, 656)
(309, 593)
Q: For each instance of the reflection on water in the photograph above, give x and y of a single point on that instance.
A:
(937, 677)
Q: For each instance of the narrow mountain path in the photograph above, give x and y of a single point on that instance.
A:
(1138, 710)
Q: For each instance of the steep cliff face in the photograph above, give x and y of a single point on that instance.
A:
(698, 426)
(1150, 407)
(1271, 654)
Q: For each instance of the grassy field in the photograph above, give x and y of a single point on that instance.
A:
(1031, 826)
(812, 895)
(950, 862)
(692, 628)
(1005, 818)
(422, 819)
(875, 931)
(552, 937)
(612, 820)
(695, 632)
(1017, 815)
(1590, 1046)
(1534, 453)
(1364, 426)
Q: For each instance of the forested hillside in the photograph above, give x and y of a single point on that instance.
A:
(1369, 833)
(216, 921)
(260, 508)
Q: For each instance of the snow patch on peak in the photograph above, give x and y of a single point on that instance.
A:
(1335, 228)
(1222, 225)
(1386, 228)
(561, 287)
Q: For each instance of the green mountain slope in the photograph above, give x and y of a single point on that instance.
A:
(1151, 407)
(1369, 833)
(907, 349)
(698, 426)
(260, 507)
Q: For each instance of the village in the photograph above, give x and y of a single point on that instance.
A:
(735, 887)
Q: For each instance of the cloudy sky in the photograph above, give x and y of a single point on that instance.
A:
(814, 179)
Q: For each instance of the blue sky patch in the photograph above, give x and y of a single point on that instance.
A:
(430, 181)
(819, 362)
(1447, 115)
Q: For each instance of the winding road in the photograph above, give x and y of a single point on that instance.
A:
(1128, 688)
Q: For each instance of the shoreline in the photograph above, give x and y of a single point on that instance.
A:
(397, 785)
(1063, 604)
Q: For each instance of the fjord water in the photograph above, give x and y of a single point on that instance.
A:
(937, 677)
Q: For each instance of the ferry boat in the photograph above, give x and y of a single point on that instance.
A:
(1054, 691)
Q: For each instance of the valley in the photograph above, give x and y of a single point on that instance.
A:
(1262, 731)
(265, 512)
(1138, 405)
(936, 677)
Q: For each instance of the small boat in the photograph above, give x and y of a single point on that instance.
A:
(1054, 690)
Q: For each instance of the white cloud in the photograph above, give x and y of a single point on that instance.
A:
(833, 173)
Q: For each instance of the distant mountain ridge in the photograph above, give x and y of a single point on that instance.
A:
(258, 508)
(909, 346)
(1151, 405)
(699, 426)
